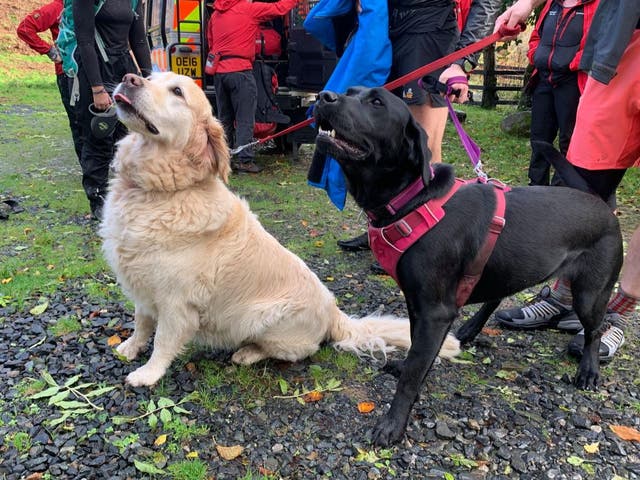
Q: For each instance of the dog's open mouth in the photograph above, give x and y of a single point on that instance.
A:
(125, 104)
(336, 144)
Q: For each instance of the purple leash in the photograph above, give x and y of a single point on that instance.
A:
(473, 150)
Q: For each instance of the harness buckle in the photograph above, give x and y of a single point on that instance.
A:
(403, 228)
(497, 224)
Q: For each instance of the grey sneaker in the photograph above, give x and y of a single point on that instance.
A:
(611, 341)
(541, 312)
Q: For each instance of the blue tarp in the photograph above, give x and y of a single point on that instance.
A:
(366, 62)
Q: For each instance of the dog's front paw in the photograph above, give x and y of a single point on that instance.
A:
(128, 349)
(145, 376)
(387, 432)
(248, 354)
(587, 377)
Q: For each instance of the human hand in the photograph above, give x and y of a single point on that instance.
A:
(515, 15)
(101, 98)
(461, 88)
(54, 54)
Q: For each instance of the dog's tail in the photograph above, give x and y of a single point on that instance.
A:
(566, 170)
(379, 334)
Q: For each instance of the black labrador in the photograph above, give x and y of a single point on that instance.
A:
(549, 231)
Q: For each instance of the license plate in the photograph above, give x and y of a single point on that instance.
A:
(188, 64)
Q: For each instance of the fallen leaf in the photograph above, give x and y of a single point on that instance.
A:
(592, 447)
(229, 453)
(492, 332)
(626, 433)
(193, 454)
(114, 340)
(304, 223)
(6, 280)
(28, 230)
(313, 396)
(39, 309)
(35, 476)
(366, 407)
(161, 440)
(314, 233)
(319, 243)
(191, 367)
(265, 472)
(329, 279)
(51, 266)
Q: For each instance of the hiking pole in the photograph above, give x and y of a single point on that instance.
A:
(420, 72)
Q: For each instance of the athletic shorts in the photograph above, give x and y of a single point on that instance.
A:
(607, 131)
(414, 50)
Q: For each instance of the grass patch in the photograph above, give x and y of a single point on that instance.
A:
(65, 325)
(188, 470)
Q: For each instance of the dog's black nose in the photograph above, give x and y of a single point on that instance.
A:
(327, 96)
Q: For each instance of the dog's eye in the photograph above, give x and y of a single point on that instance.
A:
(177, 91)
(377, 102)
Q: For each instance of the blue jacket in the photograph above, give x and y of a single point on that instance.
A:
(366, 61)
(610, 33)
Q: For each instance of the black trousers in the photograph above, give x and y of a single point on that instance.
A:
(236, 101)
(553, 113)
(65, 95)
(97, 153)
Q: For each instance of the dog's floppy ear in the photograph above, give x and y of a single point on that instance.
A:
(418, 149)
(208, 148)
(217, 149)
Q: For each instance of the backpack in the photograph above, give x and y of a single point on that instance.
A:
(268, 42)
(268, 113)
(67, 42)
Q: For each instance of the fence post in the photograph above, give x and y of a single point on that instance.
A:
(490, 81)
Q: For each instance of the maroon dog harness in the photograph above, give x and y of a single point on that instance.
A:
(390, 242)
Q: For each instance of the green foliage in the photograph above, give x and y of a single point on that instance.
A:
(65, 325)
(188, 470)
(71, 398)
(164, 410)
(21, 441)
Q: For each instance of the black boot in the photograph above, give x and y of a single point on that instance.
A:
(357, 244)
(377, 269)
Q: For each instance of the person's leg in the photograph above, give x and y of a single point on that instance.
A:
(544, 127)
(65, 95)
(96, 154)
(224, 107)
(566, 97)
(411, 51)
(244, 95)
(433, 120)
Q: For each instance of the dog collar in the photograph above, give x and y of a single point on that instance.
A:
(390, 242)
(400, 200)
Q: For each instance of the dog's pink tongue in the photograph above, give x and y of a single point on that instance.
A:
(119, 97)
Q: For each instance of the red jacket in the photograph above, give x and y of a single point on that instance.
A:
(44, 18)
(589, 9)
(233, 28)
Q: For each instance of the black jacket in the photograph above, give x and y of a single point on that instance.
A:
(609, 35)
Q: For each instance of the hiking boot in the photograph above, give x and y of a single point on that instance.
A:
(356, 244)
(246, 167)
(543, 311)
(610, 342)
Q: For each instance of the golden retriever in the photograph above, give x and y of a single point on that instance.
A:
(194, 259)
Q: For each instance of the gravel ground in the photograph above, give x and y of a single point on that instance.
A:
(507, 411)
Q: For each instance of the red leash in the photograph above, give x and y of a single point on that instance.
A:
(414, 75)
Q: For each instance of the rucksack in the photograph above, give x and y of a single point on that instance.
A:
(67, 42)
(268, 113)
(268, 42)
